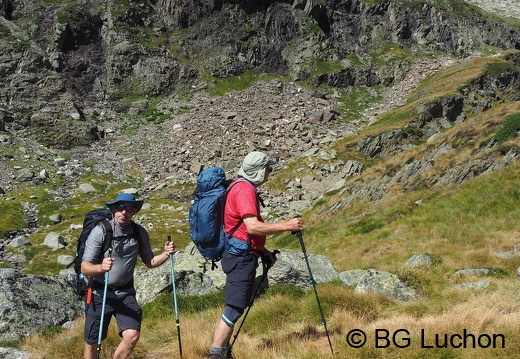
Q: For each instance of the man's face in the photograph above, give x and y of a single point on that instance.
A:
(123, 212)
(268, 171)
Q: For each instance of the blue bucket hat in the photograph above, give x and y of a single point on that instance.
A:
(126, 197)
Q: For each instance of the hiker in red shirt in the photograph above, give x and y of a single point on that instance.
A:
(247, 244)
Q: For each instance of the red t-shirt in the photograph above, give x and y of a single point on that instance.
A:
(242, 200)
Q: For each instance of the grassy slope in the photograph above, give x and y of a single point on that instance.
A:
(461, 226)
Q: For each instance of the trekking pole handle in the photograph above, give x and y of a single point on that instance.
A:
(300, 237)
(109, 254)
(297, 233)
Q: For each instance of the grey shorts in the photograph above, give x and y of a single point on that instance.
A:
(240, 278)
(127, 312)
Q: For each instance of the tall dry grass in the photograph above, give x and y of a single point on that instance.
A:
(268, 334)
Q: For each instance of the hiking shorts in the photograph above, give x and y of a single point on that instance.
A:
(126, 310)
(240, 278)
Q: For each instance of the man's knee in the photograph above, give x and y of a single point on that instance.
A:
(131, 336)
(231, 315)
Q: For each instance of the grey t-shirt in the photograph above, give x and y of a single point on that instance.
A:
(125, 250)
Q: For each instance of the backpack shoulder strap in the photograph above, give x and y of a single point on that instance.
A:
(108, 232)
(241, 179)
(136, 230)
(107, 228)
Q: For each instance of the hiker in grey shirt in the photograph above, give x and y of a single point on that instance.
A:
(129, 240)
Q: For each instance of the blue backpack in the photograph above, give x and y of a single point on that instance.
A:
(206, 215)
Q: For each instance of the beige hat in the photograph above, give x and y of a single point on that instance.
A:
(253, 167)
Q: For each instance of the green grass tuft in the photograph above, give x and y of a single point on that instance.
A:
(163, 305)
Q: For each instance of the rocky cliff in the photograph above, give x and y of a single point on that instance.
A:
(65, 63)
(99, 77)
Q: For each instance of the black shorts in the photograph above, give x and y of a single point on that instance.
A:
(127, 312)
(240, 278)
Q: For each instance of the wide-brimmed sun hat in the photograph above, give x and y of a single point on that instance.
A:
(253, 167)
(126, 197)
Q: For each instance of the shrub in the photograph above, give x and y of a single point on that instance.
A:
(509, 129)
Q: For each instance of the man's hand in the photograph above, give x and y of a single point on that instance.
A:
(107, 263)
(170, 248)
(295, 224)
(269, 257)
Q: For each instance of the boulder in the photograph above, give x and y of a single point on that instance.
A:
(419, 260)
(379, 282)
(54, 240)
(195, 276)
(31, 303)
(291, 268)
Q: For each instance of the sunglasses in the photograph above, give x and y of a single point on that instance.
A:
(121, 207)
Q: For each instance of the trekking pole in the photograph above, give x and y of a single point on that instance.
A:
(102, 319)
(313, 282)
(174, 293)
(264, 276)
